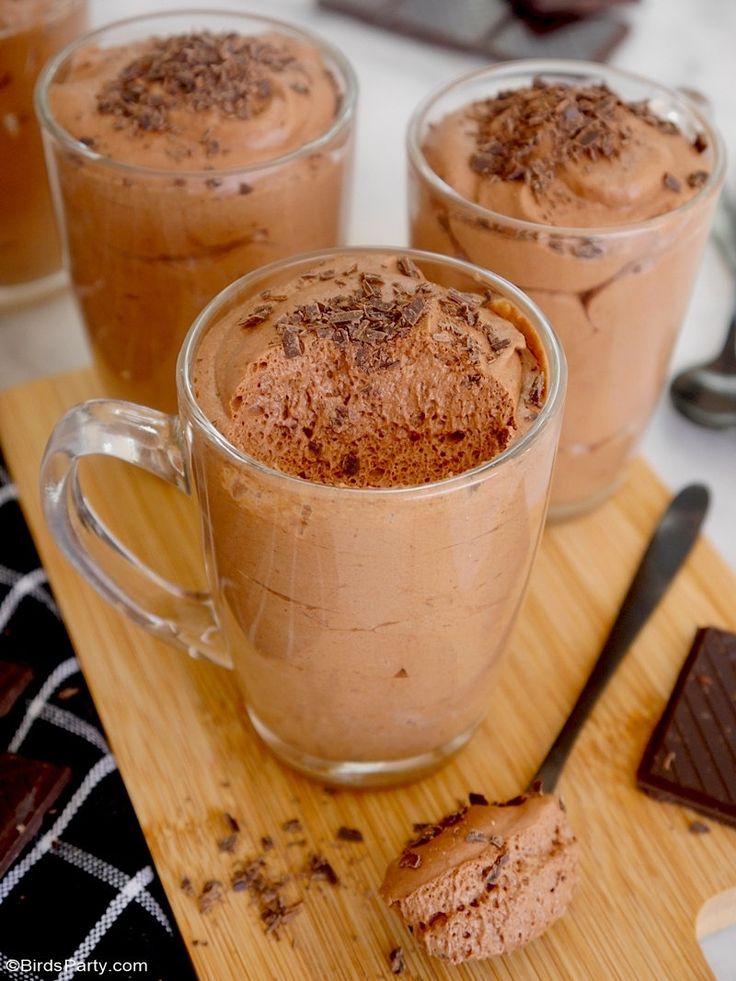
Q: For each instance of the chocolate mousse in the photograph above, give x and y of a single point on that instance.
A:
(487, 879)
(31, 31)
(558, 178)
(367, 603)
(371, 376)
(192, 165)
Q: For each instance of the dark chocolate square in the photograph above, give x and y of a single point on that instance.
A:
(14, 679)
(28, 788)
(691, 756)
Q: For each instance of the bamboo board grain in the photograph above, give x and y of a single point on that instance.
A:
(176, 728)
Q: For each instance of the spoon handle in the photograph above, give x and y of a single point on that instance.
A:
(726, 360)
(668, 548)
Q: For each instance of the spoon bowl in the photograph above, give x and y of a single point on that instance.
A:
(706, 394)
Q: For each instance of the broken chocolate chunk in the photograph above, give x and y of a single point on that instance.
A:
(14, 679)
(28, 788)
(210, 896)
(319, 868)
(689, 759)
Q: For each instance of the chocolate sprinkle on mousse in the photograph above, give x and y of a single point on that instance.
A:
(410, 860)
(697, 178)
(671, 183)
(583, 122)
(225, 72)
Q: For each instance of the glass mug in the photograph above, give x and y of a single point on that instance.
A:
(365, 625)
(616, 295)
(147, 248)
(30, 251)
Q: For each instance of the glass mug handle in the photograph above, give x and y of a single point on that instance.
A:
(153, 441)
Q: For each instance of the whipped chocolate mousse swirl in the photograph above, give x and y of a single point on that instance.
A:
(204, 154)
(371, 376)
(577, 196)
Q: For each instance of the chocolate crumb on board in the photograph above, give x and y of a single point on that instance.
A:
(349, 834)
(232, 823)
(186, 886)
(228, 843)
(292, 826)
(319, 868)
(266, 842)
(402, 673)
(14, 679)
(698, 828)
(689, 757)
(210, 896)
(396, 960)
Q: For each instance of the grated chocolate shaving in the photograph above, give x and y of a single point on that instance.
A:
(572, 123)
(225, 72)
(410, 860)
(697, 178)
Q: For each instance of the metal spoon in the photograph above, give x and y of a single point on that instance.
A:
(706, 394)
(667, 549)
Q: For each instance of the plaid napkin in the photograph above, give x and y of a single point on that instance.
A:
(84, 892)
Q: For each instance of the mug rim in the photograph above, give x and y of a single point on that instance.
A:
(343, 117)
(556, 371)
(526, 70)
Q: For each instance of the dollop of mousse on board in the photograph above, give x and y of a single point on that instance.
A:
(487, 879)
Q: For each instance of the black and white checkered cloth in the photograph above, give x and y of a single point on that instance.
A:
(84, 891)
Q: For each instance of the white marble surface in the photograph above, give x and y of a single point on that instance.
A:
(678, 42)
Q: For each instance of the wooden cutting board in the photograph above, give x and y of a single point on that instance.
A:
(176, 727)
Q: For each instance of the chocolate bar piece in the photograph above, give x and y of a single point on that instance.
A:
(496, 28)
(27, 790)
(691, 757)
(14, 679)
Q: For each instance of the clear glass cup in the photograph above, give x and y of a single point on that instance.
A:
(366, 626)
(31, 31)
(615, 295)
(147, 248)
